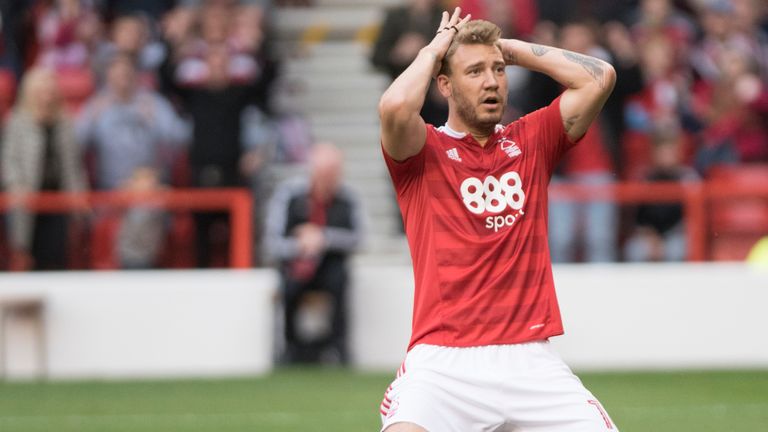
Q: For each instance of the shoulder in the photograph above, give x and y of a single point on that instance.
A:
(292, 187)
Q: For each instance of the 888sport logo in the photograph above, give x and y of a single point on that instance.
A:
(494, 196)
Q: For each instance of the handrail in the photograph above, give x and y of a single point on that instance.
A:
(695, 197)
(238, 202)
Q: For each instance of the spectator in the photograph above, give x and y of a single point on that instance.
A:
(134, 135)
(130, 34)
(128, 127)
(39, 153)
(216, 104)
(13, 39)
(589, 163)
(67, 32)
(654, 18)
(659, 232)
(313, 225)
(734, 112)
(664, 95)
(406, 30)
(516, 18)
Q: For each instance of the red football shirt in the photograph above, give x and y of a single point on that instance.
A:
(476, 222)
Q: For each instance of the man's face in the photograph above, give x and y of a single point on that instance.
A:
(478, 85)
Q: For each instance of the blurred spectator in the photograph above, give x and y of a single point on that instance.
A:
(67, 32)
(747, 16)
(313, 225)
(128, 127)
(218, 66)
(39, 153)
(664, 95)
(625, 58)
(13, 39)
(562, 11)
(217, 156)
(134, 136)
(734, 111)
(406, 30)
(515, 18)
(153, 9)
(659, 232)
(660, 18)
(130, 34)
(593, 224)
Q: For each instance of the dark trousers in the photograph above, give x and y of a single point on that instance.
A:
(212, 239)
(49, 242)
(331, 277)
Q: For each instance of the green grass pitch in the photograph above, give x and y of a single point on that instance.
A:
(312, 399)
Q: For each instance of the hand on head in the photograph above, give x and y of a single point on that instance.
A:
(449, 27)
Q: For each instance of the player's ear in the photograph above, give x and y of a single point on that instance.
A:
(444, 86)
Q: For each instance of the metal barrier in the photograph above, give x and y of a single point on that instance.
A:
(238, 202)
(696, 197)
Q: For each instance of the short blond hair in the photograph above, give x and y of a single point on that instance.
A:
(32, 79)
(475, 32)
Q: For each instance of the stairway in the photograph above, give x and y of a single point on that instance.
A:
(325, 51)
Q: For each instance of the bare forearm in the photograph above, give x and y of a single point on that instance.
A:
(588, 80)
(570, 69)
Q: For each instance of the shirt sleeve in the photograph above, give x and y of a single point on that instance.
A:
(405, 174)
(552, 141)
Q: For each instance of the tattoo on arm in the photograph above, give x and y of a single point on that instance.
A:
(539, 50)
(510, 58)
(569, 122)
(593, 66)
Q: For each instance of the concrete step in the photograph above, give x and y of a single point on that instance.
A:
(377, 3)
(339, 22)
(325, 119)
(351, 64)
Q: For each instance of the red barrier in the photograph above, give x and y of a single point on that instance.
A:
(696, 197)
(238, 202)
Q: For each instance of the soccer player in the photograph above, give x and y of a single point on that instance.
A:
(473, 194)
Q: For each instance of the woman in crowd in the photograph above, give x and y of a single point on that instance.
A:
(39, 153)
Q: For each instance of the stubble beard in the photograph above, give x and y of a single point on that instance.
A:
(468, 113)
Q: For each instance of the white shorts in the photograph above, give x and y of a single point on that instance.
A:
(520, 388)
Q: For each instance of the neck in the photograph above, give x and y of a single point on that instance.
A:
(480, 134)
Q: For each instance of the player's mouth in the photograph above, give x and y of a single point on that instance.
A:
(491, 102)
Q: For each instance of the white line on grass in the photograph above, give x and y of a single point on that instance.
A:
(157, 419)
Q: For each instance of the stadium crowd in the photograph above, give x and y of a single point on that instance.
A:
(154, 94)
(691, 102)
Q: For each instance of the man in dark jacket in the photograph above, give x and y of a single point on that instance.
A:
(313, 225)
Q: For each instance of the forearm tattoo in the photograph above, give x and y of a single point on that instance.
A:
(593, 66)
(539, 50)
(569, 122)
(510, 58)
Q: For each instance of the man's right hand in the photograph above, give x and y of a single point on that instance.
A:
(402, 129)
(449, 26)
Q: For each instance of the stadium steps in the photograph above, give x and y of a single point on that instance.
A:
(325, 50)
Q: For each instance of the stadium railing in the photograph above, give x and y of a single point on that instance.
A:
(697, 199)
(237, 202)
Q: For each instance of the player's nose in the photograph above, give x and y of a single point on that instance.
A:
(490, 80)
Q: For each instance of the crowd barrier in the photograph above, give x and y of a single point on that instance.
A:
(237, 202)
(702, 203)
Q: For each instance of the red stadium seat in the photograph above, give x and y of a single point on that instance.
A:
(76, 86)
(736, 224)
(103, 238)
(7, 91)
